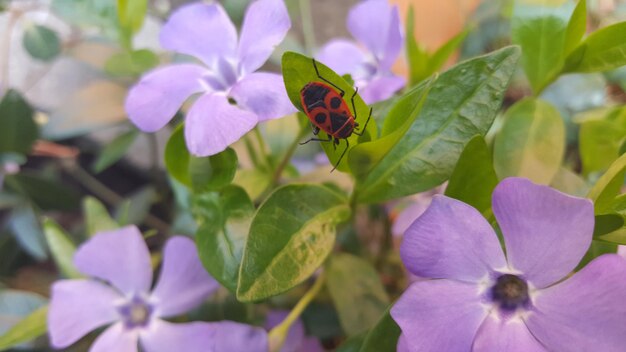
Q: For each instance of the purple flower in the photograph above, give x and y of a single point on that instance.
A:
(204, 31)
(120, 294)
(296, 340)
(376, 25)
(484, 301)
(418, 205)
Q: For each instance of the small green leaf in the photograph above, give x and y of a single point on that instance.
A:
(131, 63)
(131, 14)
(291, 235)
(605, 190)
(570, 182)
(607, 223)
(97, 218)
(114, 150)
(383, 337)
(41, 42)
(439, 57)
(201, 174)
(417, 57)
(461, 103)
(34, 325)
(27, 231)
(15, 306)
(46, 193)
(474, 178)
(602, 50)
(224, 222)
(600, 141)
(18, 130)
(576, 27)
(597, 249)
(531, 142)
(61, 247)
(298, 70)
(356, 290)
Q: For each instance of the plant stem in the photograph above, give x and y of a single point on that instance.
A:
(307, 26)
(278, 334)
(262, 147)
(288, 154)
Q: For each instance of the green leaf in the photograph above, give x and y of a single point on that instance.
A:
(605, 190)
(41, 42)
(602, 50)
(136, 207)
(474, 178)
(298, 70)
(291, 235)
(130, 14)
(383, 337)
(224, 223)
(131, 63)
(576, 27)
(439, 57)
(607, 223)
(114, 150)
(18, 130)
(352, 344)
(365, 156)
(541, 31)
(570, 182)
(531, 142)
(600, 141)
(15, 305)
(201, 174)
(61, 247)
(596, 249)
(417, 57)
(27, 231)
(34, 325)
(461, 104)
(97, 218)
(356, 290)
(46, 193)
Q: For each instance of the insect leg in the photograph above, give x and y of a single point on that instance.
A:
(330, 139)
(342, 154)
(366, 122)
(341, 92)
(316, 129)
(352, 100)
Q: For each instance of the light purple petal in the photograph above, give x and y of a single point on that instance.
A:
(451, 240)
(312, 344)
(120, 257)
(236, 337)
(381, 88)
(155, 99)
(295, 335)
(585, 312)
(407, 216)
(546, 232)
(183, 284)
(371, 22)
(264, 94)
(116, 338)
(201, 30)
(403, 345)
(511, 335)
(265, 25)
(212, 124)
(78, 307)
(342, 56)
(439, 315)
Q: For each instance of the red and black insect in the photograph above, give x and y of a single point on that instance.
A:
(324, 105)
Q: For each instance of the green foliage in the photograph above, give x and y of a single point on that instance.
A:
(131, 63)
(461, 104)
(61, 247)
(24, 224)
(97, 218)
(18, 130)
(30, 309)
(606, 189)
(531, 142)
(291, 235)
(600, 140)
(383, 337)
(356, 290)
(45, 192)
(602, 50)
(474, 177)
(130, 14)
(41, 42)
(198, 173)
(298, 70)
(223, 225)
(115, 150)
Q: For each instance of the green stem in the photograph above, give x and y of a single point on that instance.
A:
(278, 334)
(288, 154)
(307, 26)
(262, 147)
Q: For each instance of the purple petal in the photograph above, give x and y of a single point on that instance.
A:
(264, 94)
(512, 335)
(265, 25)
(403, 345)
(201, 30)
(78, 307)
(381, 88)
(153, 101)
(236, 337)
(116, 338)
(295, 335)
(120, 257)
(439, 315)
(311, 344)
(183, 284)
(408, 215)
(213, 124)
(342, 56)
(546, 232)
(376, 24)
(451, 240)
(585, 312)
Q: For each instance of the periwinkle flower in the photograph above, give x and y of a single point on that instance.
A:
(119, 293)
(376, 25)
(482, 300)
(204, 31)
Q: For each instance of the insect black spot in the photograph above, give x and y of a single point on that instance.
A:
(335, 103)
(313, 95)
(320, 118)
(337, 121)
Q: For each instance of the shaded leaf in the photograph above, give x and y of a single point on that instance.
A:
(605, 190)
(97, 218)
(22, 318)
(41, 42)
(18, 130)
(46, 193)
(61, 247)
(384, 336)
(115, 150)
(27, 231)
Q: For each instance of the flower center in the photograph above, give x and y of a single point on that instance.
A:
(510, 292)
(136, 312)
